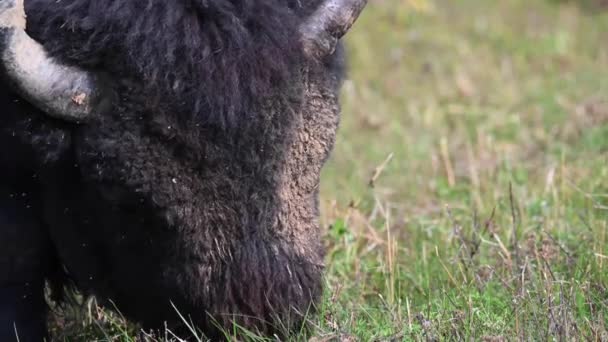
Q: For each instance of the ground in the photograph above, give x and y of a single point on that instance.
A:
(467, 198)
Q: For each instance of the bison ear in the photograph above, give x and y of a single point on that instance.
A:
(321, 31)
(62, 91)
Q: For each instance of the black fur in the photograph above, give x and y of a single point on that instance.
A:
(209, 60)
(199, 188)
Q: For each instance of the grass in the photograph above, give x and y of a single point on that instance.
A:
(467, 198)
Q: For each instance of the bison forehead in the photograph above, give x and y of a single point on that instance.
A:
(272, 161)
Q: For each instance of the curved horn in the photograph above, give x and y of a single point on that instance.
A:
(61, 91)
(328, 23)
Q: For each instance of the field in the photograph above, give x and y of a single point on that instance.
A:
(467, 197)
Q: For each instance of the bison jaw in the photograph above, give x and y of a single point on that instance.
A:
(62, 91)
(321, 31)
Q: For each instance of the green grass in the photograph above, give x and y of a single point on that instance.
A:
(489, 221)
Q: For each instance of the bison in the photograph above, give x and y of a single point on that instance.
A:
(165, 156)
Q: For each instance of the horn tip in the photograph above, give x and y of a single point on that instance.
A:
(321, 32)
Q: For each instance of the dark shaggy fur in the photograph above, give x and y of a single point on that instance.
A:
(210, 60)
(199, 188)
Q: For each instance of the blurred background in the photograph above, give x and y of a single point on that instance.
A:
(468, 193)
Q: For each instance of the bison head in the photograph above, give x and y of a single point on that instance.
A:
(154, 212)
